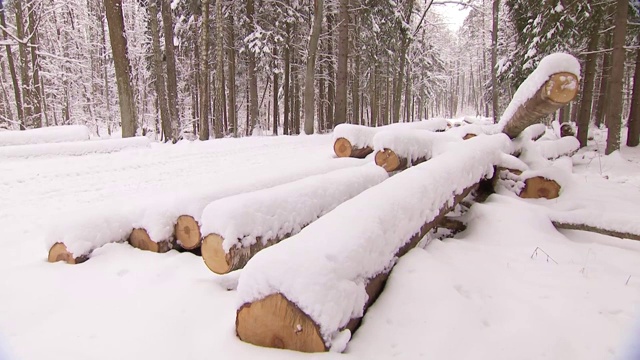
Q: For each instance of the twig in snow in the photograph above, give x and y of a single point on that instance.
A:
(629, 278)
(535, 253)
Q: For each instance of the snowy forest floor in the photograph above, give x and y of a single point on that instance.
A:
(485, 294)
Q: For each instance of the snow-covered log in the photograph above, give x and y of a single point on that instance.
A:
(398, 149)
(596, 229)
(46, 135)
(59, 252)
(553, 149)
(75, 148)
(238, 227)
(305, 293)
(357, 140)
(140, 239)
(552, 85)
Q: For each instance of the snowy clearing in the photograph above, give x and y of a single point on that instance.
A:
(491, 292)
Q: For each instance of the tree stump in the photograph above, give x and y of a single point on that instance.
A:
(187, 232)
(59, 252)
(539, 187)
(140, 239)
(343, 148)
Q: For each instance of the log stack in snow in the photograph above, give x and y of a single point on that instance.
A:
(399, 149)
(303, 294)
(357, 141)
(238, 227)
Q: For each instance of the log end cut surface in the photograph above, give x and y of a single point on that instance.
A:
(59, 252)
(213, 254)
(342, 147)
(539, 187)
(469, 136)
(388, 160)
(140, 239)
(276, 322)
(188, 232)
(562, 87)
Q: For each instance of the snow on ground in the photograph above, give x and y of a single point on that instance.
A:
(478, 296)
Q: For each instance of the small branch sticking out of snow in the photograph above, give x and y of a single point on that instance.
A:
(535, 254)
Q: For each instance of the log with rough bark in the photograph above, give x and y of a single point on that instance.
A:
(343, 148)
(399, 149)
(303, 294)
(595, 229)
(187, 232)
(140, 239)
(390, 161)
(552, 85)
(240, 226)
(539, 187)
(59, 252)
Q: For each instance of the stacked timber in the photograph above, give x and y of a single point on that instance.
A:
(238, 227)
(310, 293)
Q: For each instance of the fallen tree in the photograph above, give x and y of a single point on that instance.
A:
(240, 226)
(289, 299)
(357, 140)
(551, 86)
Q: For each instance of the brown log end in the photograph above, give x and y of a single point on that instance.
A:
(561, 87)
(140, 239)
(188, 232)
(469, 136)
(389, 160)
(539, 187)
(342, 147)
(213, 254)
(59, 252)
(276, 322)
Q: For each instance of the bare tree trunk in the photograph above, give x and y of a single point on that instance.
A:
(342, 78)
(494, 59)
(204, 72)
(115, 21)
(584, 117)
(253, 77)
(322, 96)
(12, 70)
(331, 85)
(159, 83)
(633, 132)
(35, 66)
(217, 129)
(309, 81)
(287, 76)
(296, 99)
(399, 81)
(614, 112)
(601, 107)
(276, 87)
(24, 66)
(231, 56)
(170, 54)
(373, 87)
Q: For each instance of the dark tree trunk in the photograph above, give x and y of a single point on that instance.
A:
(170, 54)
(601, 107)
(204, 72)
(12, 70)
(342, 78)
(633, 132)
(159, 83)
(614, 112)
(584, 115)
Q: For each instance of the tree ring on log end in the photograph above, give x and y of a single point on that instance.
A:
(388, 160)
(278, 323)
(59, 252)
(562, 87)
(342, 147)
(188, 232)
(140, 239)
(539, 187)
(213, 254)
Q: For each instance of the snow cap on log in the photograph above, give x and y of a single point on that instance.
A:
(325, 269)
(278, 212)
(554, 83)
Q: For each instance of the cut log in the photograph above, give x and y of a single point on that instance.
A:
(140, 239)
(538, 187)
(336, 267)
(390, 161)
(187, 232)
(59, 252)
(558, 91)
(469, 136)
(553, 149)
(238, 227)
(343, 148)
(585, 227)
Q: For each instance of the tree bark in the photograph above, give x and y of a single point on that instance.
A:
(331, 84)
(170, 54)
(12, 70)
(287, 80)
(159, 83)
(309, 81)
(342, 79)
(35, 66)
(220, 98)
(633, 131)
(204, 72)
(231, 56)
(27, 100)
(276, 87)
(584, 117)
(601, 107)
(399, 83)
(614, 100)
(253, 77)
(494, 59)
(122, 66)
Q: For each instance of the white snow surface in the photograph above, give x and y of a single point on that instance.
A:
(549, 65)
(362, 136)
(51, 134)
(75, 148)
(285, 209)
(413, 144)
(553, 149)
(324, 269)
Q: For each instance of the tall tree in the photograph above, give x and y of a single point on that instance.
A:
(157, 67)
(633, 132)
(170, 55)
(204, 72)
(12, 69)
(253, 77)
(220, 96)
(122, 66)
(614, 112)
(584, 117)
(35, 65)
(342, 79)
(231, 56)
(309, 82)
(494, 59)
(404, 48)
